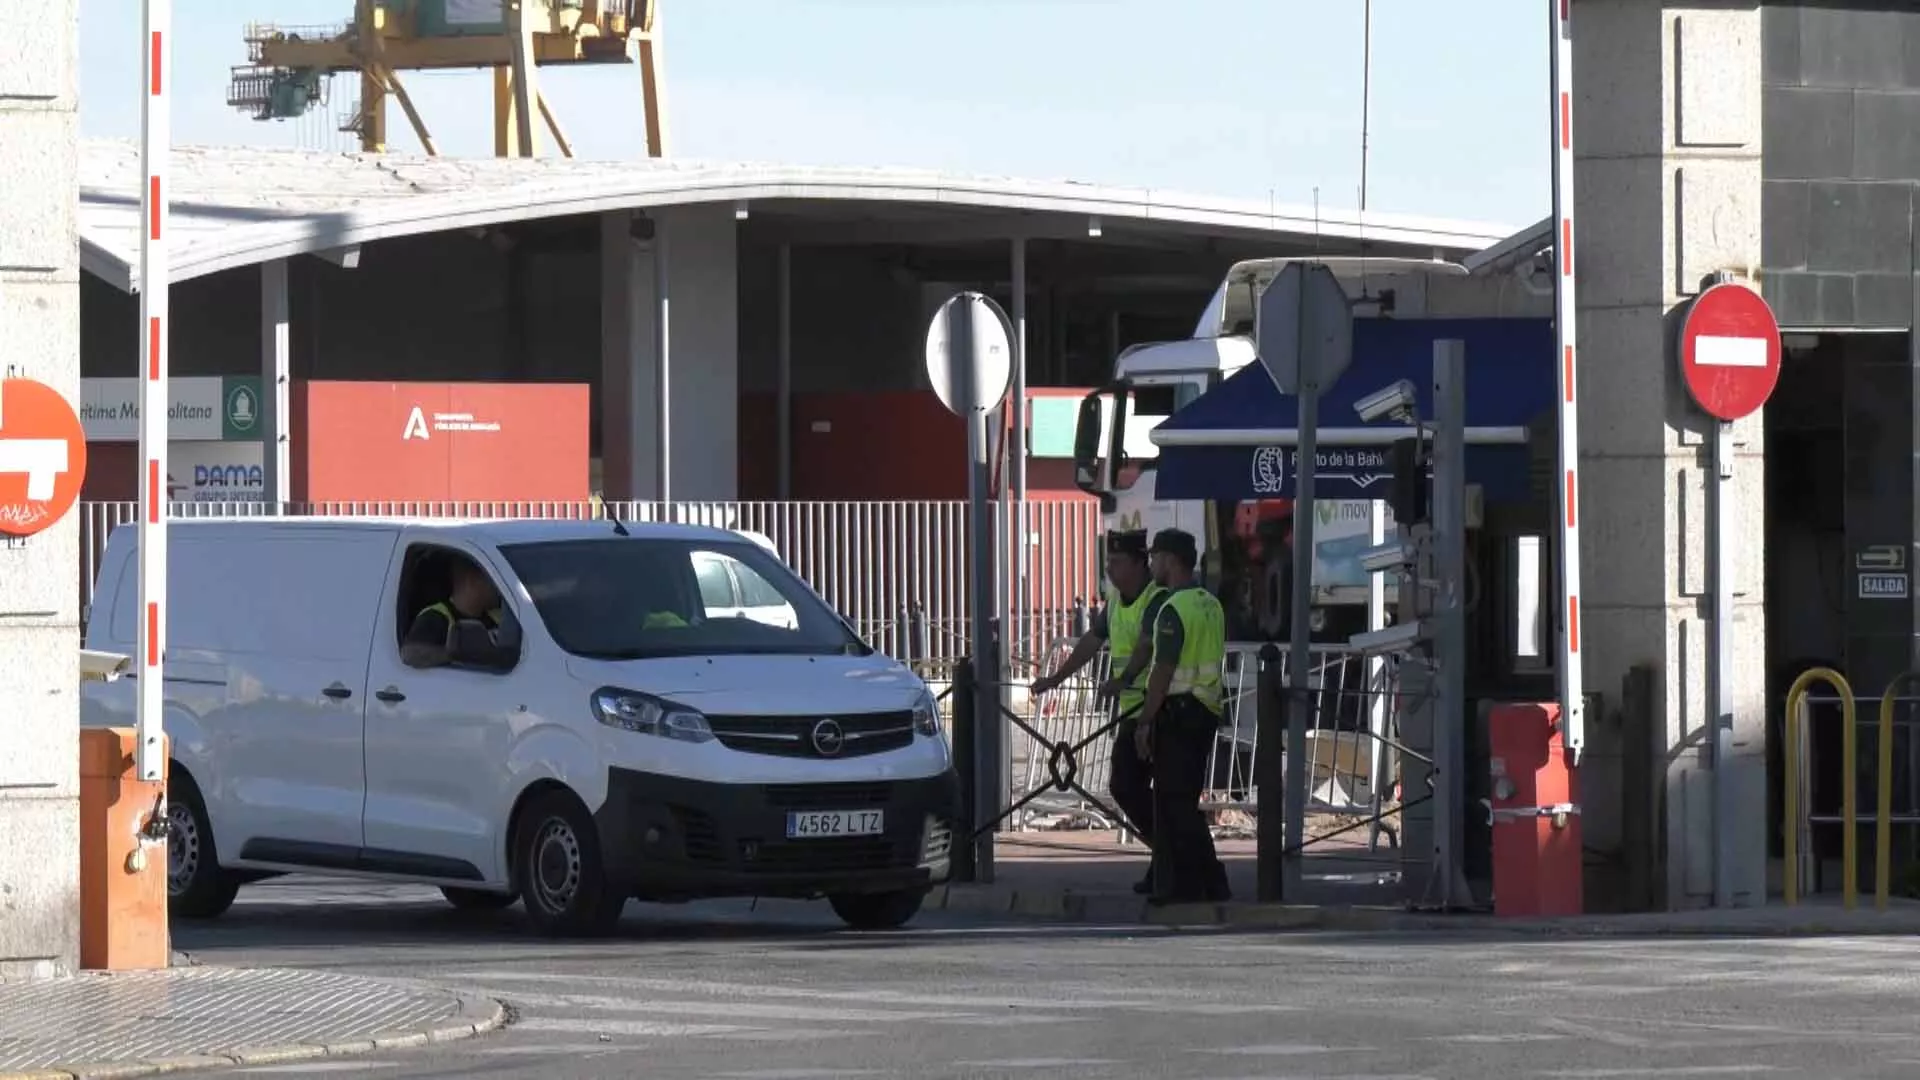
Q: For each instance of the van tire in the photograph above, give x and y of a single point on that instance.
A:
(196, 886)
(478, 899)
(558, 870)
(878, 911)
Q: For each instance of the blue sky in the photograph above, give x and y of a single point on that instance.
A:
(1250, 98)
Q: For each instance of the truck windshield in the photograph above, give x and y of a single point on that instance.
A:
(632, 598)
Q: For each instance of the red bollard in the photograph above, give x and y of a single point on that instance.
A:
(1535, 793)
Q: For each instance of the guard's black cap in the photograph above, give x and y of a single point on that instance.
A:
(1128, 543)
(1177, 542)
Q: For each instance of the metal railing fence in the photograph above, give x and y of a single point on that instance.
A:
(1352, 763)
(896, 570)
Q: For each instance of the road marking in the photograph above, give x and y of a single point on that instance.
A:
(796, 1074)
(1284, 1050)
(1037, 1063)
(1657, 1071)
(635, 1028)
(1584, 1031)
(1514, 1037)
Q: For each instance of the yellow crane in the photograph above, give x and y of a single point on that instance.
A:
(289, 67)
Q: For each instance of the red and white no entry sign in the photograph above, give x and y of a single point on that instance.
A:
(1730, 351)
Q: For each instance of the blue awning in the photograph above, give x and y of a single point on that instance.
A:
(1510, 383)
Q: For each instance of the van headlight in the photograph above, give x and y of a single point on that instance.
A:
(630, 710)
(926, 715)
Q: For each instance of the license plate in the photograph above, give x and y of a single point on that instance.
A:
(812, 824)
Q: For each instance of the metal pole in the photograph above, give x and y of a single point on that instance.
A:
(1019, 549)
(1720, 513)
(1270, 837)
(1566, 499)
(156, 141)
(1300, 699)
(1449, 631)
(981, 585)
(662, 357)
(276, 360)
(784, 392)
(1376, 665)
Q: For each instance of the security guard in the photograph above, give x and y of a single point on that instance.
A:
(1180, 721)
(1131, 601)
(429, 641)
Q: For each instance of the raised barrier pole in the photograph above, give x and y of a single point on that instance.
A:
(1883, 802)
(1790, 788)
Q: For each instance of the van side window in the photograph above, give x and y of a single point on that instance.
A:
(451, 614)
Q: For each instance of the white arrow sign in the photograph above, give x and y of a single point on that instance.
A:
(43, 460)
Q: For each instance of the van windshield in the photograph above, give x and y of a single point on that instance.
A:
(630, 598)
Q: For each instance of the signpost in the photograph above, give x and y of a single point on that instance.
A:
(1304, 333)
(969, 363)
(1730, 361)
(43, 457)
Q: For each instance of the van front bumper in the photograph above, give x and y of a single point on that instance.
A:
(666, 838)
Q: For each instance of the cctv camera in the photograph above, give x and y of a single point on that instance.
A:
(1395, 402)
(96, 666)
(1386, 558)
(1396, 638)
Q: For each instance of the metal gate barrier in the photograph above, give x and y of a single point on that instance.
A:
(1059, 745)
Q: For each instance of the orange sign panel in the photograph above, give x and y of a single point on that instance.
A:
(43, 456)
(442, 442)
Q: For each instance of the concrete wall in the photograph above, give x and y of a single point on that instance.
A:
(702, 290)
(1667, 137)
(1842, 118)
(39, 612)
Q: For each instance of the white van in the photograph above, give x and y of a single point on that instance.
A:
(610, 738)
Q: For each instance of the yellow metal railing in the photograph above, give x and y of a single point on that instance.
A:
(1849, 810)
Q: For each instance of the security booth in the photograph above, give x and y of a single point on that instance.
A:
(1224, 466)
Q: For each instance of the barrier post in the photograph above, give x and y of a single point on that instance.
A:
(1790, 789)
(1883, 800)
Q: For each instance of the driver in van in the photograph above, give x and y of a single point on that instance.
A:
(429, 641)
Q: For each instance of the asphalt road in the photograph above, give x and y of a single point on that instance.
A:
(721, 992)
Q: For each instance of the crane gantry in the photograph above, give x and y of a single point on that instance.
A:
(288, 67)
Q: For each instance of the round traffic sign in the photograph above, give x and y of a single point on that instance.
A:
(1730, 351)
(43, 456)
(969, 353)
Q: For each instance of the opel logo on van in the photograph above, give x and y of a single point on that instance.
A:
(828, 739)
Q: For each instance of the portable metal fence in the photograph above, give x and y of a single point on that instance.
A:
(1351, 767)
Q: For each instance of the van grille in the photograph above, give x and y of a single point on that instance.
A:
(829, 796)
(862, 734)
(836, 855)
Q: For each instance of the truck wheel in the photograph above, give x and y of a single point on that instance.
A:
(878, 911)
(562, 879)
(478, 899)
(196, 886)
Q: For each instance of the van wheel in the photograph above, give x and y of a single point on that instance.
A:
(478, 899)
(562, 880)
(878, 911)
(196, 886)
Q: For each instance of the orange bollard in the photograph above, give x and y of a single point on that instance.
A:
(1535, 805)
(123, 881)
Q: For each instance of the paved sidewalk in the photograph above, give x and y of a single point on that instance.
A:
(140, 1023)
(1087, 876)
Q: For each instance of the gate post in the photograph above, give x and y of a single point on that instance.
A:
(1269, 774)
(964, 693)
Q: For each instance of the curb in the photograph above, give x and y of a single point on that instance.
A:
(476, 1016)
(1053, 905)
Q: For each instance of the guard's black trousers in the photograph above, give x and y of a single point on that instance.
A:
(1185, 864)
(1130, 781)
